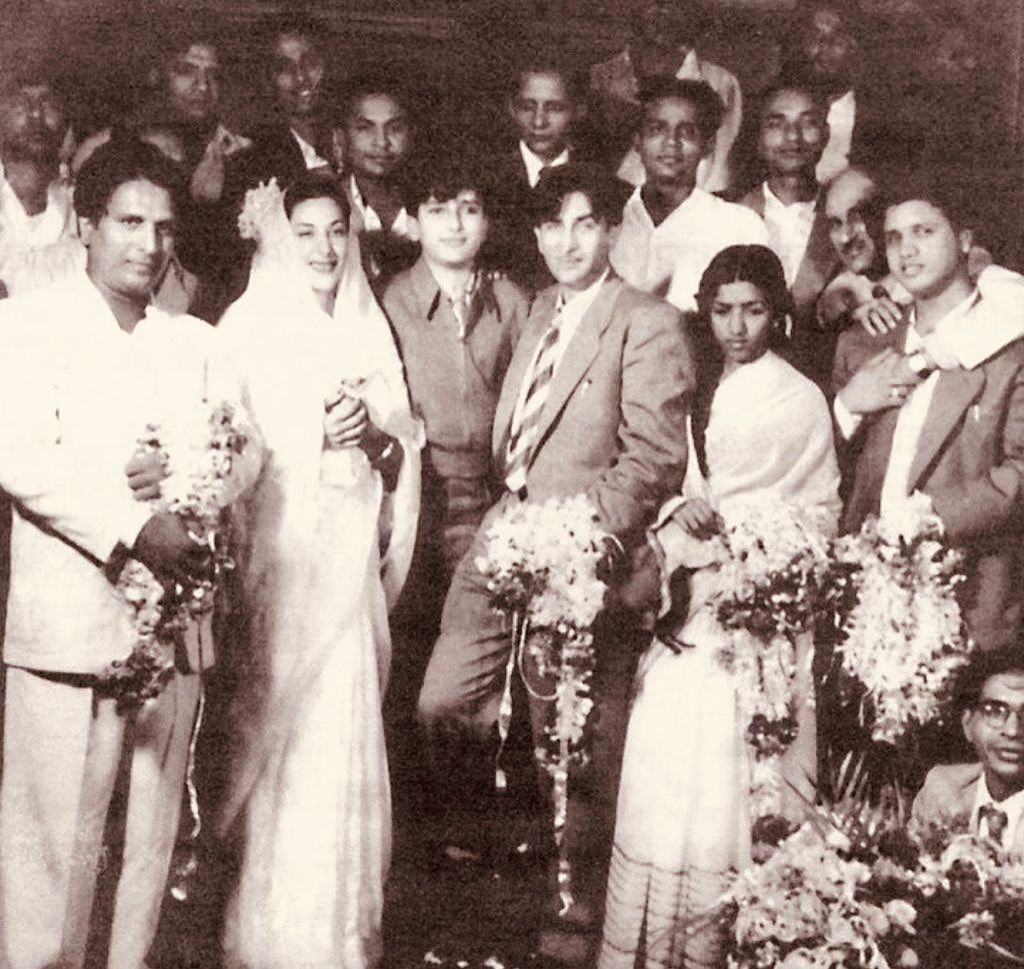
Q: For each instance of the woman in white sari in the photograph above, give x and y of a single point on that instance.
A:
(760, 432)
(340, 484)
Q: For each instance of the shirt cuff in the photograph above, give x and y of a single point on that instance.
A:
(846, 420)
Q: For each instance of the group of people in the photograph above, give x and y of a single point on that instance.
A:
(411, 342)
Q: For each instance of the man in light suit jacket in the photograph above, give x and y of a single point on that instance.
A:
(89, 368)
(792, 132)
(989, 793)
(937, 405)
(611, 427)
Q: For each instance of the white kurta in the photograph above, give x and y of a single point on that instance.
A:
(683, 820)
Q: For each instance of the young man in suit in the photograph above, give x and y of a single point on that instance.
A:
(672, 228)
(936, 405)
(609, 424)
(792, 133)
(989, 793)
(92, 367)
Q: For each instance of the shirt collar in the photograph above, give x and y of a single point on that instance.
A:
(771, 200)
(573, 308)
(535, 164)
(371, 221)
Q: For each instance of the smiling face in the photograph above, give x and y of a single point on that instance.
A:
(193, 83)
(575, 244)
(543, 112)
(376, 135)
(670, 143)
(741, 322)
(848, 195)
(321, 234)
(925, 253)
(130, 243)
(1000, 748)
(452, 232)
(793, 133)
(298, 71)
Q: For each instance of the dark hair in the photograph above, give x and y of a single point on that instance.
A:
(177, 34)
(316, 187)
(690, 20)
(985, 664)
(441, 176)
(548, 61)
(805, 87)
(707, 104)
(760, 267)
(270, 29)
(370, 83)
(123, 160)
(607, 194)
(945, 194)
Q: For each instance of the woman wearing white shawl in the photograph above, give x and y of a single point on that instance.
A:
(762, 433)
(309, 775)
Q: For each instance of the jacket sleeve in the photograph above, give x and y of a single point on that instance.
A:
(657, 381)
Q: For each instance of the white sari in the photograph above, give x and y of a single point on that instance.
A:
(310, 768)
(683, 819)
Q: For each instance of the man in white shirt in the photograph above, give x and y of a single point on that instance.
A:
(671, 228)
(989, 793)
(791, 135)
(38, 242)
(90, 369)
(936, 405)
(664, 41)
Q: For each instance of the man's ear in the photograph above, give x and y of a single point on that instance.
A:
(85, 230)
(965, 239)
(965, 720)
(338, 147)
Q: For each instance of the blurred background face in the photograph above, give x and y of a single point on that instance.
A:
(543, 113)
(670, 143)
(193, 83)
(321, 235)
(377, 136)
(31, 123)
(298, 72)
(741, 322)
(793, 133)
(848, 196)
(829, 48)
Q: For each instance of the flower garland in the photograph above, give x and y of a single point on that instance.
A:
(903, 637)
(160, 615)
(768, 589)
(862, 888)
(541, 564)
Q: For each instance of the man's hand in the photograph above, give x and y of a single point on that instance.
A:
(641, 591)
(879, 315)
(884, 381)
(165, 547)
(698, 518)
(345, 421)
(145, 471)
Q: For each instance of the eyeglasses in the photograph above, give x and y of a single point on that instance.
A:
(995, 713)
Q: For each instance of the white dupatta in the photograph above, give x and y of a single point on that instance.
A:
(298, 581)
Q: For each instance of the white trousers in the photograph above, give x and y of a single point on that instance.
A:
(61, 755)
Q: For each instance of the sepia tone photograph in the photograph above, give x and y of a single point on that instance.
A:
(511, 484)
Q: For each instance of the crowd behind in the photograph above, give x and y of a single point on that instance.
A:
(664, 292)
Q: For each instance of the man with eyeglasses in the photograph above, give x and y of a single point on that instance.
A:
(989, 792)
(671, 228)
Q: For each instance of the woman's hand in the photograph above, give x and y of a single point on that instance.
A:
(145, 471)
(698, 518)
(346, 421)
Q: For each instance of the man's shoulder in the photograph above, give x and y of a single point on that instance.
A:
(634, 304)
(948, 790)
(56, 297)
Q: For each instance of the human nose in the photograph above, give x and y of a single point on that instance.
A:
(1013, 717)
(736, 322)
(540, 117)
(455, 216)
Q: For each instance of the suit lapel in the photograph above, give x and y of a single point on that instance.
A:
(955, 391)
(541, 314)
(818, 264)
(579, 355)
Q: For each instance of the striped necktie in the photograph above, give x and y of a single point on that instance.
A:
(995, 821)
(523, 436)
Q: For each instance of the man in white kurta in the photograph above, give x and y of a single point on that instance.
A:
(88, 366)
(671, 229)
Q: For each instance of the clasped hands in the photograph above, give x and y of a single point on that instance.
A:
(347, 424)
(164, 545)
